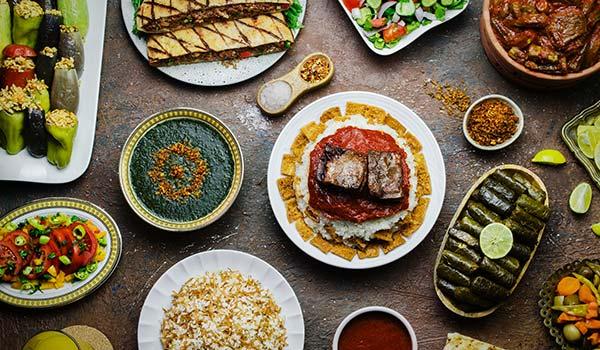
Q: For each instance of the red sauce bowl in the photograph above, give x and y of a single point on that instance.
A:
(375, 327)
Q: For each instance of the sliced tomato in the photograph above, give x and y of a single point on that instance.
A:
(352, 4)
(393, 32)
(84, 249)
(63, 238)
(13, 255)
(44, 254)
(10, 261)
(378, 22)
(245, 54)
(16, 50)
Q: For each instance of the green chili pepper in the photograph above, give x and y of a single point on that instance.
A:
(36, 224)
(60, 143)
(27, 17)
(64, 259)
(11, 130)
(27, 270)
(2, 271)
(573, 310)
(79, 232)
(5, 26)
(589, 284)
(91, 267)
(81, 274)
(75, 13)
(102, 241)
(52, 255)
(20, 241)
(44, 239)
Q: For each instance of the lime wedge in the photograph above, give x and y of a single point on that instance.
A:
(496, 240)
(581, 198)
(549, 157)
(596, 229)
(584, 143)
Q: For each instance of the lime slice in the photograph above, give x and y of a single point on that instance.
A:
(596, 229)
(496, 240)
(581, 198)
(549, 157)
(597, 156)
(584, 143)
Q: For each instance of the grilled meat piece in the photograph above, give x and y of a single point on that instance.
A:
(385, 177)
(566, 24)
(342, 168)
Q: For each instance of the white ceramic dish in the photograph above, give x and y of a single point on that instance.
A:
(411, 331)
(431, 151)
(408, 39)
(159, 296)
(508, 142)
(23, 167)
(71, 292)
(208, 73)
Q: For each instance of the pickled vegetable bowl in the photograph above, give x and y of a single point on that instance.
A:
(385, 23)
(44, 252)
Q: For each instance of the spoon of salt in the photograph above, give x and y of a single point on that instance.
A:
(276, 96)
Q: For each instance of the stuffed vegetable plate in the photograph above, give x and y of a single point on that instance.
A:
(208, 73)
(407, 18)
(23, 167)
(108, 252)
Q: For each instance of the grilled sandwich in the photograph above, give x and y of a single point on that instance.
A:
(235, 39)
(162, 16)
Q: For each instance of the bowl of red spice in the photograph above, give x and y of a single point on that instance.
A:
(375, 328)
(493, 122)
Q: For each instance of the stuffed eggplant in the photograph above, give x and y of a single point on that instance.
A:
(38, 91)
(65, 86)
(27, 18)
(47, 4)
(5, 26)
(36, 137)
(44, 65)
(503, 195)
(61, 126)
(14, 102)
(70, 45)
(49, 30)
(17, 71)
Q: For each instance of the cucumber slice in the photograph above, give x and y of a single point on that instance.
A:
(365, 15)
(428, 3)
(447, 2)
(406, 9)
(374, 3)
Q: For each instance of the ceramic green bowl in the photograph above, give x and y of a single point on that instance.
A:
(569, 135)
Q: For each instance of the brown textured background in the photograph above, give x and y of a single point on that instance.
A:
(131, 90)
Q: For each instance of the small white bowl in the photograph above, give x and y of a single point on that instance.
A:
(411, 332)
(515, 108)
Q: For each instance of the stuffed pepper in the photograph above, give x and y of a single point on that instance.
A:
(17, 71)
(44, 65)
(5, 26)
(62, 127)
(38, 90)
(49, 33)
(71, 45)
(36, 137)
(27, 17)
(75, 13)
(65, 86)
(14, 102)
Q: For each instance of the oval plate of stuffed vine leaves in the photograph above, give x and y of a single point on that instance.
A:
(467, 282)
(41, 151)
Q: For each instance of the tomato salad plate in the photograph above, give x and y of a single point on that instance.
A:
(387, 27)
(221, 299)
(48, 120)
(55, 251)
(356, 180)
(213, 43)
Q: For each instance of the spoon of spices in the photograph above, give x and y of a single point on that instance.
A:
(276, 96)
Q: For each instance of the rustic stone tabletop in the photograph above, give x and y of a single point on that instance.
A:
(131, 90)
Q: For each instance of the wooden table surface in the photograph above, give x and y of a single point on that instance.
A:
(131, 90)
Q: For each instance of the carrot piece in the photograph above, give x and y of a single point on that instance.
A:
(592, 310)
(594, 338)
(592, 324)
(566, 318)
(581, 326)
(568, 286)
(585, 294)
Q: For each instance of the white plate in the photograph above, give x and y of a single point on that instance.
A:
(412, 122)
(408, 39)
(23, 167)
(208, 73)
(159, 297)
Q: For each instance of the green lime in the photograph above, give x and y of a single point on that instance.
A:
(584, 143)
(496, 240)
(549, 157)
(581, 198)
(596, 229)
(597, 156)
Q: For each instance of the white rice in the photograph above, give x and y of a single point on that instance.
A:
(347, 229)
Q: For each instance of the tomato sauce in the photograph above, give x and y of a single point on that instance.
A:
(351, 206)
(375, 331)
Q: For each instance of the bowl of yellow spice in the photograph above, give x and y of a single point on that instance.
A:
(493, 122)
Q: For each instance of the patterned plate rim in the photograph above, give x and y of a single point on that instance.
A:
(151, 122)
(90, 286)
